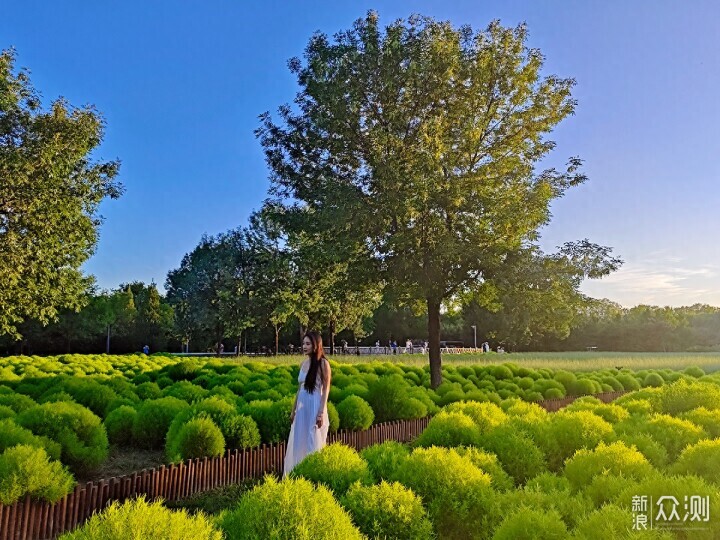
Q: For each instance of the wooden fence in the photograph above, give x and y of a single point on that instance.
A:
(33, 520)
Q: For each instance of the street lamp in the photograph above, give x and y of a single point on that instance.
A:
(474, 334)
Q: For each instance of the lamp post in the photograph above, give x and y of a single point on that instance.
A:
(474, 335)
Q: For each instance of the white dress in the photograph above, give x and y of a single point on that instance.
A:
(305, 437)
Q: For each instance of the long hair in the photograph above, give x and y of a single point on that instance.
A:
(316, 355)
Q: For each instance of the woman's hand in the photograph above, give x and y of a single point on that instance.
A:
(319, 420)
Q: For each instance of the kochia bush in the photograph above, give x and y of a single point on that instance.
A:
(292, 509)
(153, 420)
(613, 459)
(388, 511)
(26, 470)
(143, 520)
(355, 413)
(336, 465)
(80, 433)
(198, 438)
(384, 459)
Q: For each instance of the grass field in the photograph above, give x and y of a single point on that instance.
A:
(571, 361)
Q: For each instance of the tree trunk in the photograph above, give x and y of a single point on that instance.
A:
(277, 339)
(107, 344)
(302, 334)
(239, 344)
(433, 307)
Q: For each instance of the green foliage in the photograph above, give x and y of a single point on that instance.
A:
(657, 486)
(701, 459)
(292, 509)
(27, 470)
(683, 396)
(649, 447)
(153, 420)
(387, 396)
(388, 511)
(186, 391)
(12, 434)
(198, 438)
(6, 412)
(637, 406)
(336, 465)
(487, 462)
(17, 402)
(458, 495)
(240, 431)
(119, 424)
(608, 412)
(570, 431)
(272, 418)
(53, 189)
(611, 521)
(355, 413)
(141, 520)
(80, 433)
(531, 524)
(612, 459)
(653, 380)
(333, 418)
(707, 419)
(517, 451)
(485, 415)
(384, 459)
(91, 394)
(674, 434)
(449, 429)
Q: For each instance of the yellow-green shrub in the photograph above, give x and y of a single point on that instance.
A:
(612, 459)
(141, 520)
(292, 509)
(388, 511)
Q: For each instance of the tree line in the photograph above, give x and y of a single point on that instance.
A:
(405, 187)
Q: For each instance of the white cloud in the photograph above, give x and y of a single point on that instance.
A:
(659, 279)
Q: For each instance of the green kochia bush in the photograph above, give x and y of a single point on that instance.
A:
(11, 434)
(615, 459)
(701, 459)
(458, 495)
(680, 487)
(272, 418)
(531, 524)
(450, 429)
(570, 431)
(611, 521)
(292, 509)
(153, 420)
(517, 452)
(355, 413)
(673, 433)
(486, 415)
(336, 465)
(388, 511)
(384, 459)
(80, 433)
(198, 438)
(119, 423)
(25, 470)
(141, 520)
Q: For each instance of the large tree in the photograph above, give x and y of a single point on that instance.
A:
(50, 190)
(418, 146)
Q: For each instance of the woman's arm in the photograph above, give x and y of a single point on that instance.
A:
(292, 412)
(325, 393)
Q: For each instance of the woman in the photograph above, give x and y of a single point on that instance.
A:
(309, 417)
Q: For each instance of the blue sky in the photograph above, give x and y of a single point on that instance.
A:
(181, 84)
